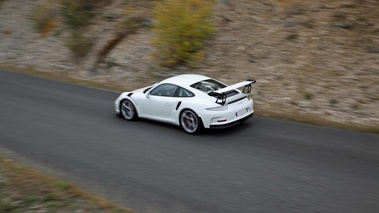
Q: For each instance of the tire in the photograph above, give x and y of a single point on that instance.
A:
(190, 122)
(128, 110)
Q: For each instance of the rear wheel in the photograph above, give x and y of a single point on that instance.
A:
(190, 122)
(128, 111)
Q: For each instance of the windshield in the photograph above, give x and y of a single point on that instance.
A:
(208, 85)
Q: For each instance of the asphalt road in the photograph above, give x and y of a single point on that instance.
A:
(263, 165)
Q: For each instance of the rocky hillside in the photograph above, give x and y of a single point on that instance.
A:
(312, 59)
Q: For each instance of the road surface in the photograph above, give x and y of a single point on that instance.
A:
(263, 165)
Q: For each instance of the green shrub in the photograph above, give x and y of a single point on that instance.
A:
(333, 102)
(79, 13)
(292, 37)
(181, 29)
(308, 96)
(76, 14)
(79, 44)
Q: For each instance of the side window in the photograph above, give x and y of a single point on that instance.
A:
(181, 92)
(166, 90)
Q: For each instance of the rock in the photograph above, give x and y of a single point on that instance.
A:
(252, 59)
(373, 49)
(112, 17)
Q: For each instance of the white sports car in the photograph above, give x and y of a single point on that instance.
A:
(190, 101)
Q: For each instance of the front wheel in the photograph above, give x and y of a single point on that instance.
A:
(190, 122)
(128, 111)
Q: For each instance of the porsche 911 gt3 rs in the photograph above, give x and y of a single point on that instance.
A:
(191, 101)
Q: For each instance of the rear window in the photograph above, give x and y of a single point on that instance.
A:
(208, 85)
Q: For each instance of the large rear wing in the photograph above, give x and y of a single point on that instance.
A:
(221, 94)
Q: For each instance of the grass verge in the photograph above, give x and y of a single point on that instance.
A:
(315, 120)
(25, 190)
(62, 77)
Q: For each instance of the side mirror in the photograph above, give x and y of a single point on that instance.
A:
(147, 95)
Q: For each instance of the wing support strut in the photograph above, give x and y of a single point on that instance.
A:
(221, 96)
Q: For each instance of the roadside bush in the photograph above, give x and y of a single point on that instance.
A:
(76, 15)
(79, 44)
(181, 29)
(44, 19)
(79, 13)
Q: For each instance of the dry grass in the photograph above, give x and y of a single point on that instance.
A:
(314, 120)
(1, 3)
(63, 77)
(25, 190)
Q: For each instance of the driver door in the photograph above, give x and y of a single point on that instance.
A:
(159, 102)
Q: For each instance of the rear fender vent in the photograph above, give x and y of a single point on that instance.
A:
(178, 105)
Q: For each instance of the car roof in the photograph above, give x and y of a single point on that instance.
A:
(185, 79)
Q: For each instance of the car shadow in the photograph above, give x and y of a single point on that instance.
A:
(234, 130)
(243, 127)
(209, 134)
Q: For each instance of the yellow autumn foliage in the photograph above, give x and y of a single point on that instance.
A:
(181, 28)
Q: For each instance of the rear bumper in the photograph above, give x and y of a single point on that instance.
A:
(223, 126)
